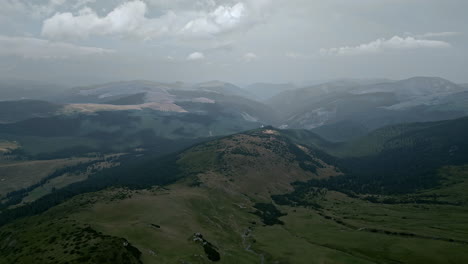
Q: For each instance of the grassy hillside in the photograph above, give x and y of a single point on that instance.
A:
(166, 223)
(55, 238)
(396, 159)
(349, 230)
(16, 175)
(252, 197)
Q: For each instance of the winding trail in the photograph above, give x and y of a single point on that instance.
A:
(248, 246)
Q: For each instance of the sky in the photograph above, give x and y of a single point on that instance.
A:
(79, 42)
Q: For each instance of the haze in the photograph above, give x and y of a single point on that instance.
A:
(80, 42)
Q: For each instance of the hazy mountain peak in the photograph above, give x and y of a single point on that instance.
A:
(414, 87)
(264, 91)
(214, 83)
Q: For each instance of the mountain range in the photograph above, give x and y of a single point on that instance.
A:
(343, 110)
(231, 198)
(349, 171)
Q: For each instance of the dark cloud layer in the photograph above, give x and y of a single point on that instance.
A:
(85, 41)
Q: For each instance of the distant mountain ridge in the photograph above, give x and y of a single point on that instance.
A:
(340, 110)
(127, 115)
(335, 107)
(28, 89)
(265, 91)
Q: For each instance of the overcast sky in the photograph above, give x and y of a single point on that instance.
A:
(241, 41)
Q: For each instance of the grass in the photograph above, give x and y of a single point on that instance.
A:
(64, 180)
(161, 222)
(56, 183)
(339, 233)
(362, 246)
(46, 239)
(180, 212)
(22, 174)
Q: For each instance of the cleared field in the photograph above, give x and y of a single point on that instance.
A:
(91, 108)
(7, 146)
(22, 174)
(65, 180)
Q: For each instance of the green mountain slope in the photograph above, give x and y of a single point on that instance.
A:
(226, 166)
(263, 196)
(398, 159)
(62, 136)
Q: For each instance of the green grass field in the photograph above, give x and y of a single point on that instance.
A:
(161, 222)
(223, 211)
(16, 175)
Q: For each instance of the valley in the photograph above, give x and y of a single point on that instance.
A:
(253, 198)
(233, 132)
(143, 172)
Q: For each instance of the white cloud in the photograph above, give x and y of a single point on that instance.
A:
(439, 34)
(248, 57)
(130, 20)
(35, 10)
(196, 56)
(126, 19)
(294, 55)
(34, 48)
(181, 4)
(223, 18)
(382, 45)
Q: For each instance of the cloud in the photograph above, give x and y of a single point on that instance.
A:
(249, 57)
(34, 48)
(438, 34)
(130, 20)
(223, 18)
(80, 3)
(196, 56)
(181, 4)
(35, 10)
(294, 55)
(382, 45)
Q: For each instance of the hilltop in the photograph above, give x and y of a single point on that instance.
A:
(232, 198)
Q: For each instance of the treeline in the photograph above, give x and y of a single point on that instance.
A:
(136, 173)
(398, 171)
(407, 163)
(15, 197)
(268, 213)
